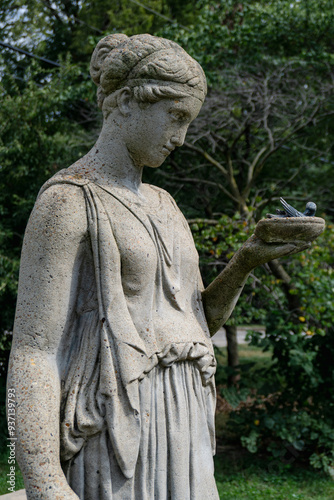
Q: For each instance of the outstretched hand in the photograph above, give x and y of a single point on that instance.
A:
(220, 297)
(256, 252)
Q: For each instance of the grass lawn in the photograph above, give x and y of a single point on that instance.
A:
(248, 355)
(4, 470)
(241, 476)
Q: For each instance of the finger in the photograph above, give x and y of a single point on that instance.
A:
(302, 247)
(287, 249)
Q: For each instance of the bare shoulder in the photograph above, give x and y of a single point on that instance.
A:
(53, 247)
(59, 211)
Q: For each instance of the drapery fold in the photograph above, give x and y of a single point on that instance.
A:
(174, 461)
(101, 390)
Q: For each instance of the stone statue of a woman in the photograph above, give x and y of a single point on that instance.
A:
(112, 361)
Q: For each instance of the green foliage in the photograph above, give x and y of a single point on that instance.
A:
(38, 137)
(266, 133)
(234, 397)
(243, 476)
(294, 400)
(218, 242)
(255, 30)
(275, 427)
(53, 29)
(48, 120)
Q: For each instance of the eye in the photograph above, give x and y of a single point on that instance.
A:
(178, 116)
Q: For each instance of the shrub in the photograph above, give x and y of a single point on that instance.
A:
(290, 405)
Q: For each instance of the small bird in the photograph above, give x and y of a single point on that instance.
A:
(290, 211)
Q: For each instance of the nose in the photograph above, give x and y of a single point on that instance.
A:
(179, 137)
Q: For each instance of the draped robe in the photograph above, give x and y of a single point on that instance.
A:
(136, 360)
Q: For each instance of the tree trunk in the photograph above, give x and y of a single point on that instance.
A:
(232, 352)
(293, 299)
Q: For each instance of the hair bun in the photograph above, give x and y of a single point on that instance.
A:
(120, 61)
(102, 50)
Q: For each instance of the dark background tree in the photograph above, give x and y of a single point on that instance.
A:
(48, 109)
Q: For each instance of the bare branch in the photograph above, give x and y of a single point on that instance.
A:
(53, 11)
(201, 181)
(268, 290)
(208, 157)
(274, 196)
(261, 112)
(251, 171)
(283, 141)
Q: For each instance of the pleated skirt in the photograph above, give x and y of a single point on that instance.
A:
(175, 459)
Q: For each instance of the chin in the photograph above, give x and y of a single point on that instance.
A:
(155, 164)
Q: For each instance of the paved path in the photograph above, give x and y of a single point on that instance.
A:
(219, 338)
(17, 495)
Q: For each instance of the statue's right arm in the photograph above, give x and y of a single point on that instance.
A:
(53, 241)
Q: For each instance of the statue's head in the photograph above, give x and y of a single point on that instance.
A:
(149, 90)
(152, 68)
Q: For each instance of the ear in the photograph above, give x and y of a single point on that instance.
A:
(124, 101)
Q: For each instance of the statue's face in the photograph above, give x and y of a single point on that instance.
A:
(155, 131)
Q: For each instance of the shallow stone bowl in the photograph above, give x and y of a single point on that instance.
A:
(289, 229)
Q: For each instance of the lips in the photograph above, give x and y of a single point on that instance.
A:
(167, 150)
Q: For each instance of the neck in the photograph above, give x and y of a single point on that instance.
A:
(110, 162)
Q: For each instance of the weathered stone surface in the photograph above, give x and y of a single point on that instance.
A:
(112, 362)
(290, 229)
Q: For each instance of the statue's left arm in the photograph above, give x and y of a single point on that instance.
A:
(220, 297)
